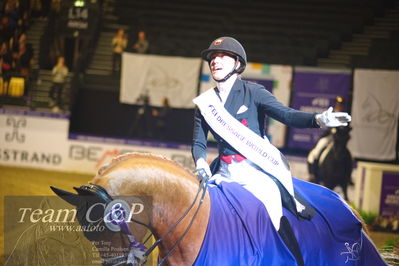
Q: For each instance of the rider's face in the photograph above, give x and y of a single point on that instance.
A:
(221, 64)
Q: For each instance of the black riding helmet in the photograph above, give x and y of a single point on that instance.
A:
(227, 45)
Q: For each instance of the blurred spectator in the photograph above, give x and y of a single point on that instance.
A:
(36, 8)
(24, 9)
(17, 37)
(14, 43)
(55, 6)
(60, 74)
(161, 116)
(6, 29)
(119, 43)
(142, 44)
(6, 61)
(23, 22)
(142, 124)
(12, 12)
(46, 6)
(24, 58)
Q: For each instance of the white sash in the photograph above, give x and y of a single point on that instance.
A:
(258, 150)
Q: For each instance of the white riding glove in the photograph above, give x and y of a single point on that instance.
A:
(332, 119)
(202, 164)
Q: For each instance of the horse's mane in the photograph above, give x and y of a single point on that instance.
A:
(145, 174)
(124, 157)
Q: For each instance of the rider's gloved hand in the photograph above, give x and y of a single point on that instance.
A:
(332, 119)
(202, 164)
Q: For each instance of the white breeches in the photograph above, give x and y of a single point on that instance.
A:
(315, 153)
(256, 182)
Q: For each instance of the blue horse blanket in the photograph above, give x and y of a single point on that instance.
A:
(240, 231)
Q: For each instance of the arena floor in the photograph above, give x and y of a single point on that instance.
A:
(34, 182)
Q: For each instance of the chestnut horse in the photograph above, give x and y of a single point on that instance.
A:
(172, 189)
(224, 225)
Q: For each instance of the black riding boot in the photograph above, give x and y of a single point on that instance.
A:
(288, 236)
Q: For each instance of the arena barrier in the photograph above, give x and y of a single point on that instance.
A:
(377, 188)
(41, 140)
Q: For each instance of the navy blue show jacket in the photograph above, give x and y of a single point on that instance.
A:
(260, 103)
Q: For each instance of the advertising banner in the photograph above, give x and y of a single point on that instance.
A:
(155, 77)
(30, 139)
(87, 154)
(375, 114)
(40, 140)
(389, 203)
(315, 90)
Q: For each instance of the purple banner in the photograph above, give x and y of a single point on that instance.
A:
(389, 203)
(315, 92)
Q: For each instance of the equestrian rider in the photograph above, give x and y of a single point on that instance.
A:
(248, 103)
(326, 139)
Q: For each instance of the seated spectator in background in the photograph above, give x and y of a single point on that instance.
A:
(23, 22)
(60, 74)
(6, 30)
(55, 6)
(24, 58)
(46, 6)
(142, 124)
(161, 116)
(119, 43)
(11, 11)
(142, 44)
(14, 41)
(20, 39)
(6, 61)
(36, 7)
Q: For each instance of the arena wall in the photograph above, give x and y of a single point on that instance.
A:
(42, 140)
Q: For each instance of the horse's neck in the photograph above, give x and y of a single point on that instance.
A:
(340, 145)
(166, 213)
(171, 195)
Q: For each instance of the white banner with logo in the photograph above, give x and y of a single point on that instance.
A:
(375, 113)
(39, 140)
(33, 140)
(157, 77)
(275, 78)
(87, 154)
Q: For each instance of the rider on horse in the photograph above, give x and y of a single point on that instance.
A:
(245, 154)
(314, 156)
(252, 212)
